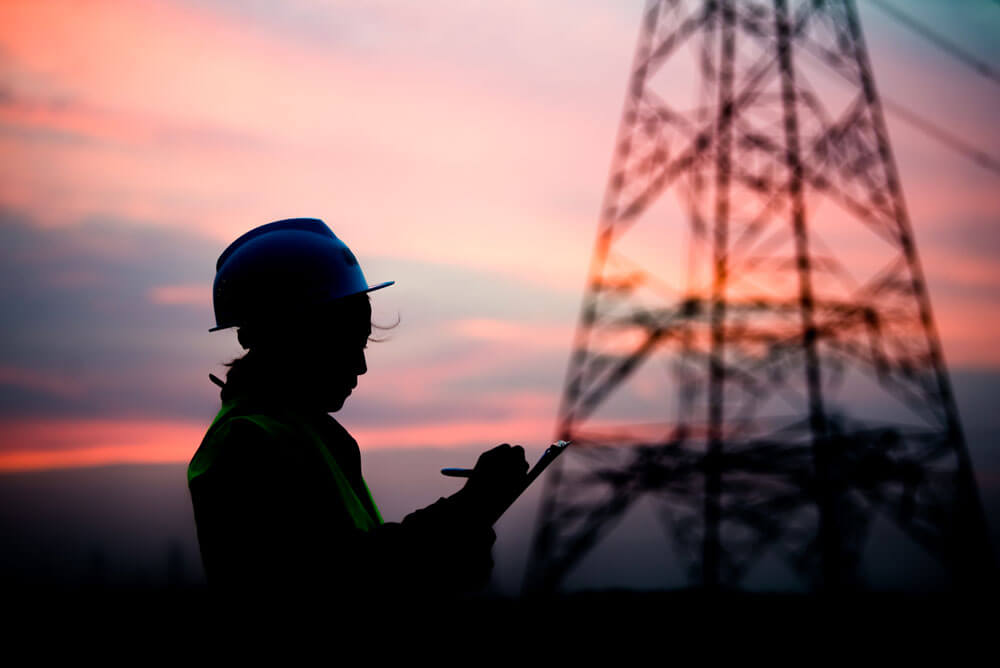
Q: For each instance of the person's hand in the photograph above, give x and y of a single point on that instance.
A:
(499, 476)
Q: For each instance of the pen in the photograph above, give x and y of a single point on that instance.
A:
(550, 453)
(456, 473)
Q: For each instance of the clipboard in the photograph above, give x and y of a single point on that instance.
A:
(543, 462)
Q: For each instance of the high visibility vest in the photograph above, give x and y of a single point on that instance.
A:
(288, 431)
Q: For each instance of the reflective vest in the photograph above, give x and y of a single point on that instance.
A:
(287, 431)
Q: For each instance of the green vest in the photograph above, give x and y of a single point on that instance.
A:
(288, 431)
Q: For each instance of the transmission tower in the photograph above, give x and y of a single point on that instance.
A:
(756, 353)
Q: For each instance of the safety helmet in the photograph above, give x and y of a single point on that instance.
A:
(283, 269)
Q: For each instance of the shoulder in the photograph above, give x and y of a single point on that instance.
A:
(336, 430)
(246, 434)
(254, 445)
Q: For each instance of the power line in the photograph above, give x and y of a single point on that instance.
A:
(981, 67)
(929, 128)
(981, 158)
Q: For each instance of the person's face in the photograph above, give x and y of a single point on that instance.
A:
(336, 357)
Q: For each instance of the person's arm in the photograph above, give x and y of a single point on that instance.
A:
(448, 544)
(270, 522)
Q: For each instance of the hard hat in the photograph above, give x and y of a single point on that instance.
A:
(283, 269)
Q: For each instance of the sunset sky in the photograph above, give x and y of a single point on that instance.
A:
(460, 148)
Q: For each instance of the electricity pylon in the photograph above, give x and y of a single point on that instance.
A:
(756, 352)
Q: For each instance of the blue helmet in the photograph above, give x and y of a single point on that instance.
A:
(284, 269)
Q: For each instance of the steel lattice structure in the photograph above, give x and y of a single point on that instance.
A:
(793, 371)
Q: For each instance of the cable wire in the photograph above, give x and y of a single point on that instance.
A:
(929, 128)
(981, 158)
(981, 67)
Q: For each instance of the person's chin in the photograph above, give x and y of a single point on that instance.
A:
(336, 403)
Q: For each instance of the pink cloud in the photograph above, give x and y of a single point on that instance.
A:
(523, 431)
(529, 335)
(251, 82)
(188, 294)
(414, 141)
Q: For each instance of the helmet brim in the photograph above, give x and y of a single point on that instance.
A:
(371, 288)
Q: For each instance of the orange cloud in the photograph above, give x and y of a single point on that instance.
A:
(38, 444)
(45, 444)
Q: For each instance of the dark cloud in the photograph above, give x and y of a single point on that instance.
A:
(76, 306)
(81, 336)
(973, 237)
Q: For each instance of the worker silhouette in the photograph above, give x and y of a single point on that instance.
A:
(279, 499)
